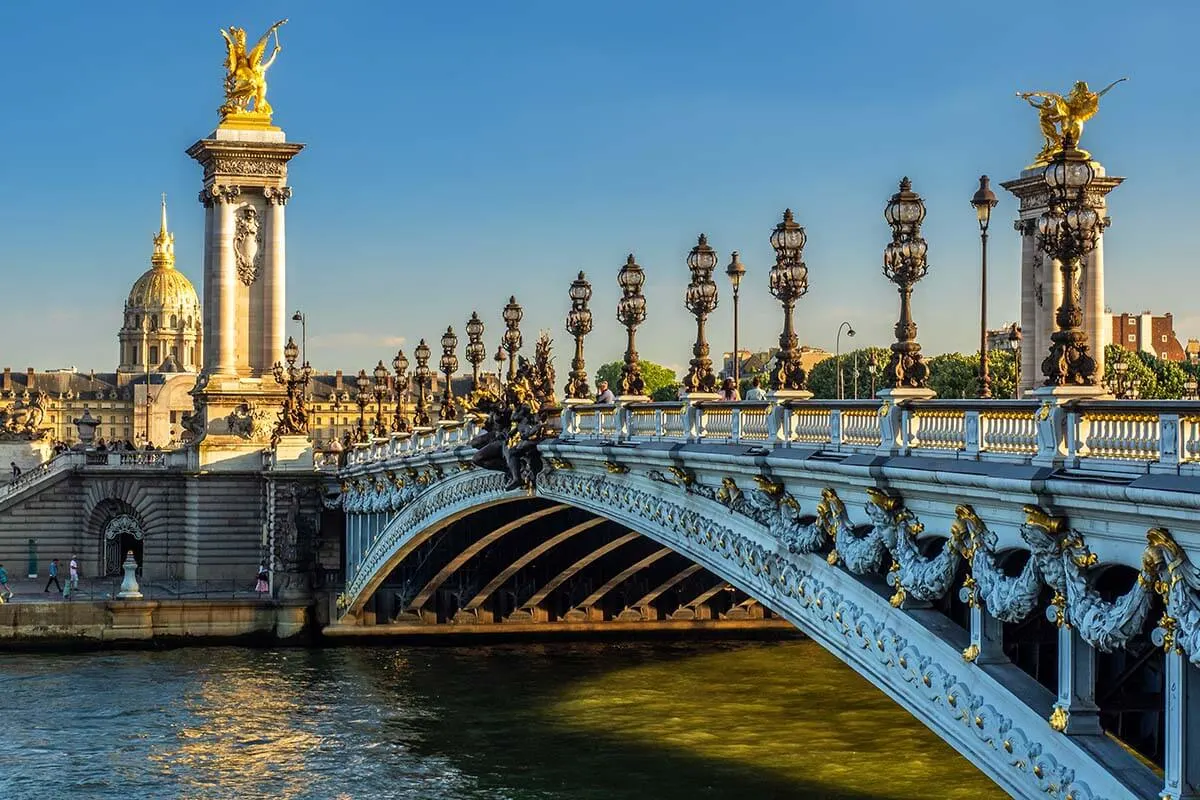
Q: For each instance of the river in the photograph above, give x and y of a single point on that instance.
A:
(644, 721)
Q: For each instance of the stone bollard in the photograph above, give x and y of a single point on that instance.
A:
(129, 587)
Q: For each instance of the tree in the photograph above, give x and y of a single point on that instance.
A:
(656, 376)
(1157, 378)
(822, 379)
(666, 393)
(954, 375)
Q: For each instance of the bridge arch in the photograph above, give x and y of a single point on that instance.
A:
(908, 654)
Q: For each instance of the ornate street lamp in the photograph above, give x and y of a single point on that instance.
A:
(983, 201)
(424, 380)
(1068, 230)
(363, 399)
(788, 281)
(512, 334)
(579, 324)
(1013, 344)
(1190, 388)
(476, 351)
(1118, 380)
(293, 418)
(736, 271)
(904, 264)
(449, 366)
(380, 389)
(631, 312)
(701, 300)
(873, 371)
(400, 392)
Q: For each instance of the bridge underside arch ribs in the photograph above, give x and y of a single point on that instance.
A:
(530, 609)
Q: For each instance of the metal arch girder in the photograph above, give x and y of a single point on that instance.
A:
(542, 593)
(675, 579)
(473, 549)
(495, 583)
(707, 594)
(623, 576)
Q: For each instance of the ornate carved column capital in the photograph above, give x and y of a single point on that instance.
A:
(1025, 227)
(277, 195)
(218, 193)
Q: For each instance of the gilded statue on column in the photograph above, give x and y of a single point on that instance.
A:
(246, 76)
(1063, 115)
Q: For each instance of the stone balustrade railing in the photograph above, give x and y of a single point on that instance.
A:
(1122, 436)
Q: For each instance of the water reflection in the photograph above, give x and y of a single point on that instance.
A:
(503, 723)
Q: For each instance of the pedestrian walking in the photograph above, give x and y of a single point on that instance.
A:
(6, 592)
(73, 572)
(16, 471)
(261, 586)
(53, 577)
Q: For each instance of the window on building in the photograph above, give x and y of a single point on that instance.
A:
(133, 359)
(1164, 337)
(174, 417)
(1132, 337)
(175, 353)
(1132, 321)
(127, 433)
(153, 355)
(154, 322)
(174, 321)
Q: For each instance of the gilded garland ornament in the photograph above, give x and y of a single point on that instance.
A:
(246, 77)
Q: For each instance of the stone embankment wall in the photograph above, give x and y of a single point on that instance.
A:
(178, 621)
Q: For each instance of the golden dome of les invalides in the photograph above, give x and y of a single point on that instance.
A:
(162, 287)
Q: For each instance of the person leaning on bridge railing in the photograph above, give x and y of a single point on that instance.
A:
(603, 393)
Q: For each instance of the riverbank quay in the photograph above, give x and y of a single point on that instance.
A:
(170, 612)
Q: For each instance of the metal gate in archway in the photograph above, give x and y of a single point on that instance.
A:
(122, 534)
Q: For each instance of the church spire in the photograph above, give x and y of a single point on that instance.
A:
(164, 243)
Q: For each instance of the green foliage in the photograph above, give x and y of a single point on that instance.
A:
(665, 393)
(656, 376)
(822, 379)
(1157, 378)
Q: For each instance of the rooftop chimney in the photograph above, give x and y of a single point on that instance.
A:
(337, 381)
(30, 383)
(7, 384)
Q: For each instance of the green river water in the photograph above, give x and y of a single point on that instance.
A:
(738, 720)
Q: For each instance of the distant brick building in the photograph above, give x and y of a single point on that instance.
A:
(1148, 333)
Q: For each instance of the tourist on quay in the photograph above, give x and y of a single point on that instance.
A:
(53, 577)
(728, 391)
(261, 586)
(755, 394)
(4, 590)
(16, 471)
(604, 394)
(73, 572)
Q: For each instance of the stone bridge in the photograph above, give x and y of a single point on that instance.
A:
(1018, 576)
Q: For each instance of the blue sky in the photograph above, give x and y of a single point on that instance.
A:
(461, 152)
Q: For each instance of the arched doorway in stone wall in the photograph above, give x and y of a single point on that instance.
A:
(121, 534)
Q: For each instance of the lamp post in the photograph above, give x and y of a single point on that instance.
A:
(983, 201)
(380, 390)
(362, 398)
(736, 271)
(788, 281)
(701, 300)
(904, 264)
(448, 365)
(1013, 343)
(1190, 388)
(476, 351)
(424, 379)
(873, 371)
(837, 354)
(631, 312)
(579, 324)
(1118, 380)
(400, 392)
(302, 318)
(293, 419)
(499, 359)
(1068, 230)
(512, 334)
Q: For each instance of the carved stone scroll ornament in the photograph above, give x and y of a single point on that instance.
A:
(1177, 581)
(247, 244)
(1009, 599)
